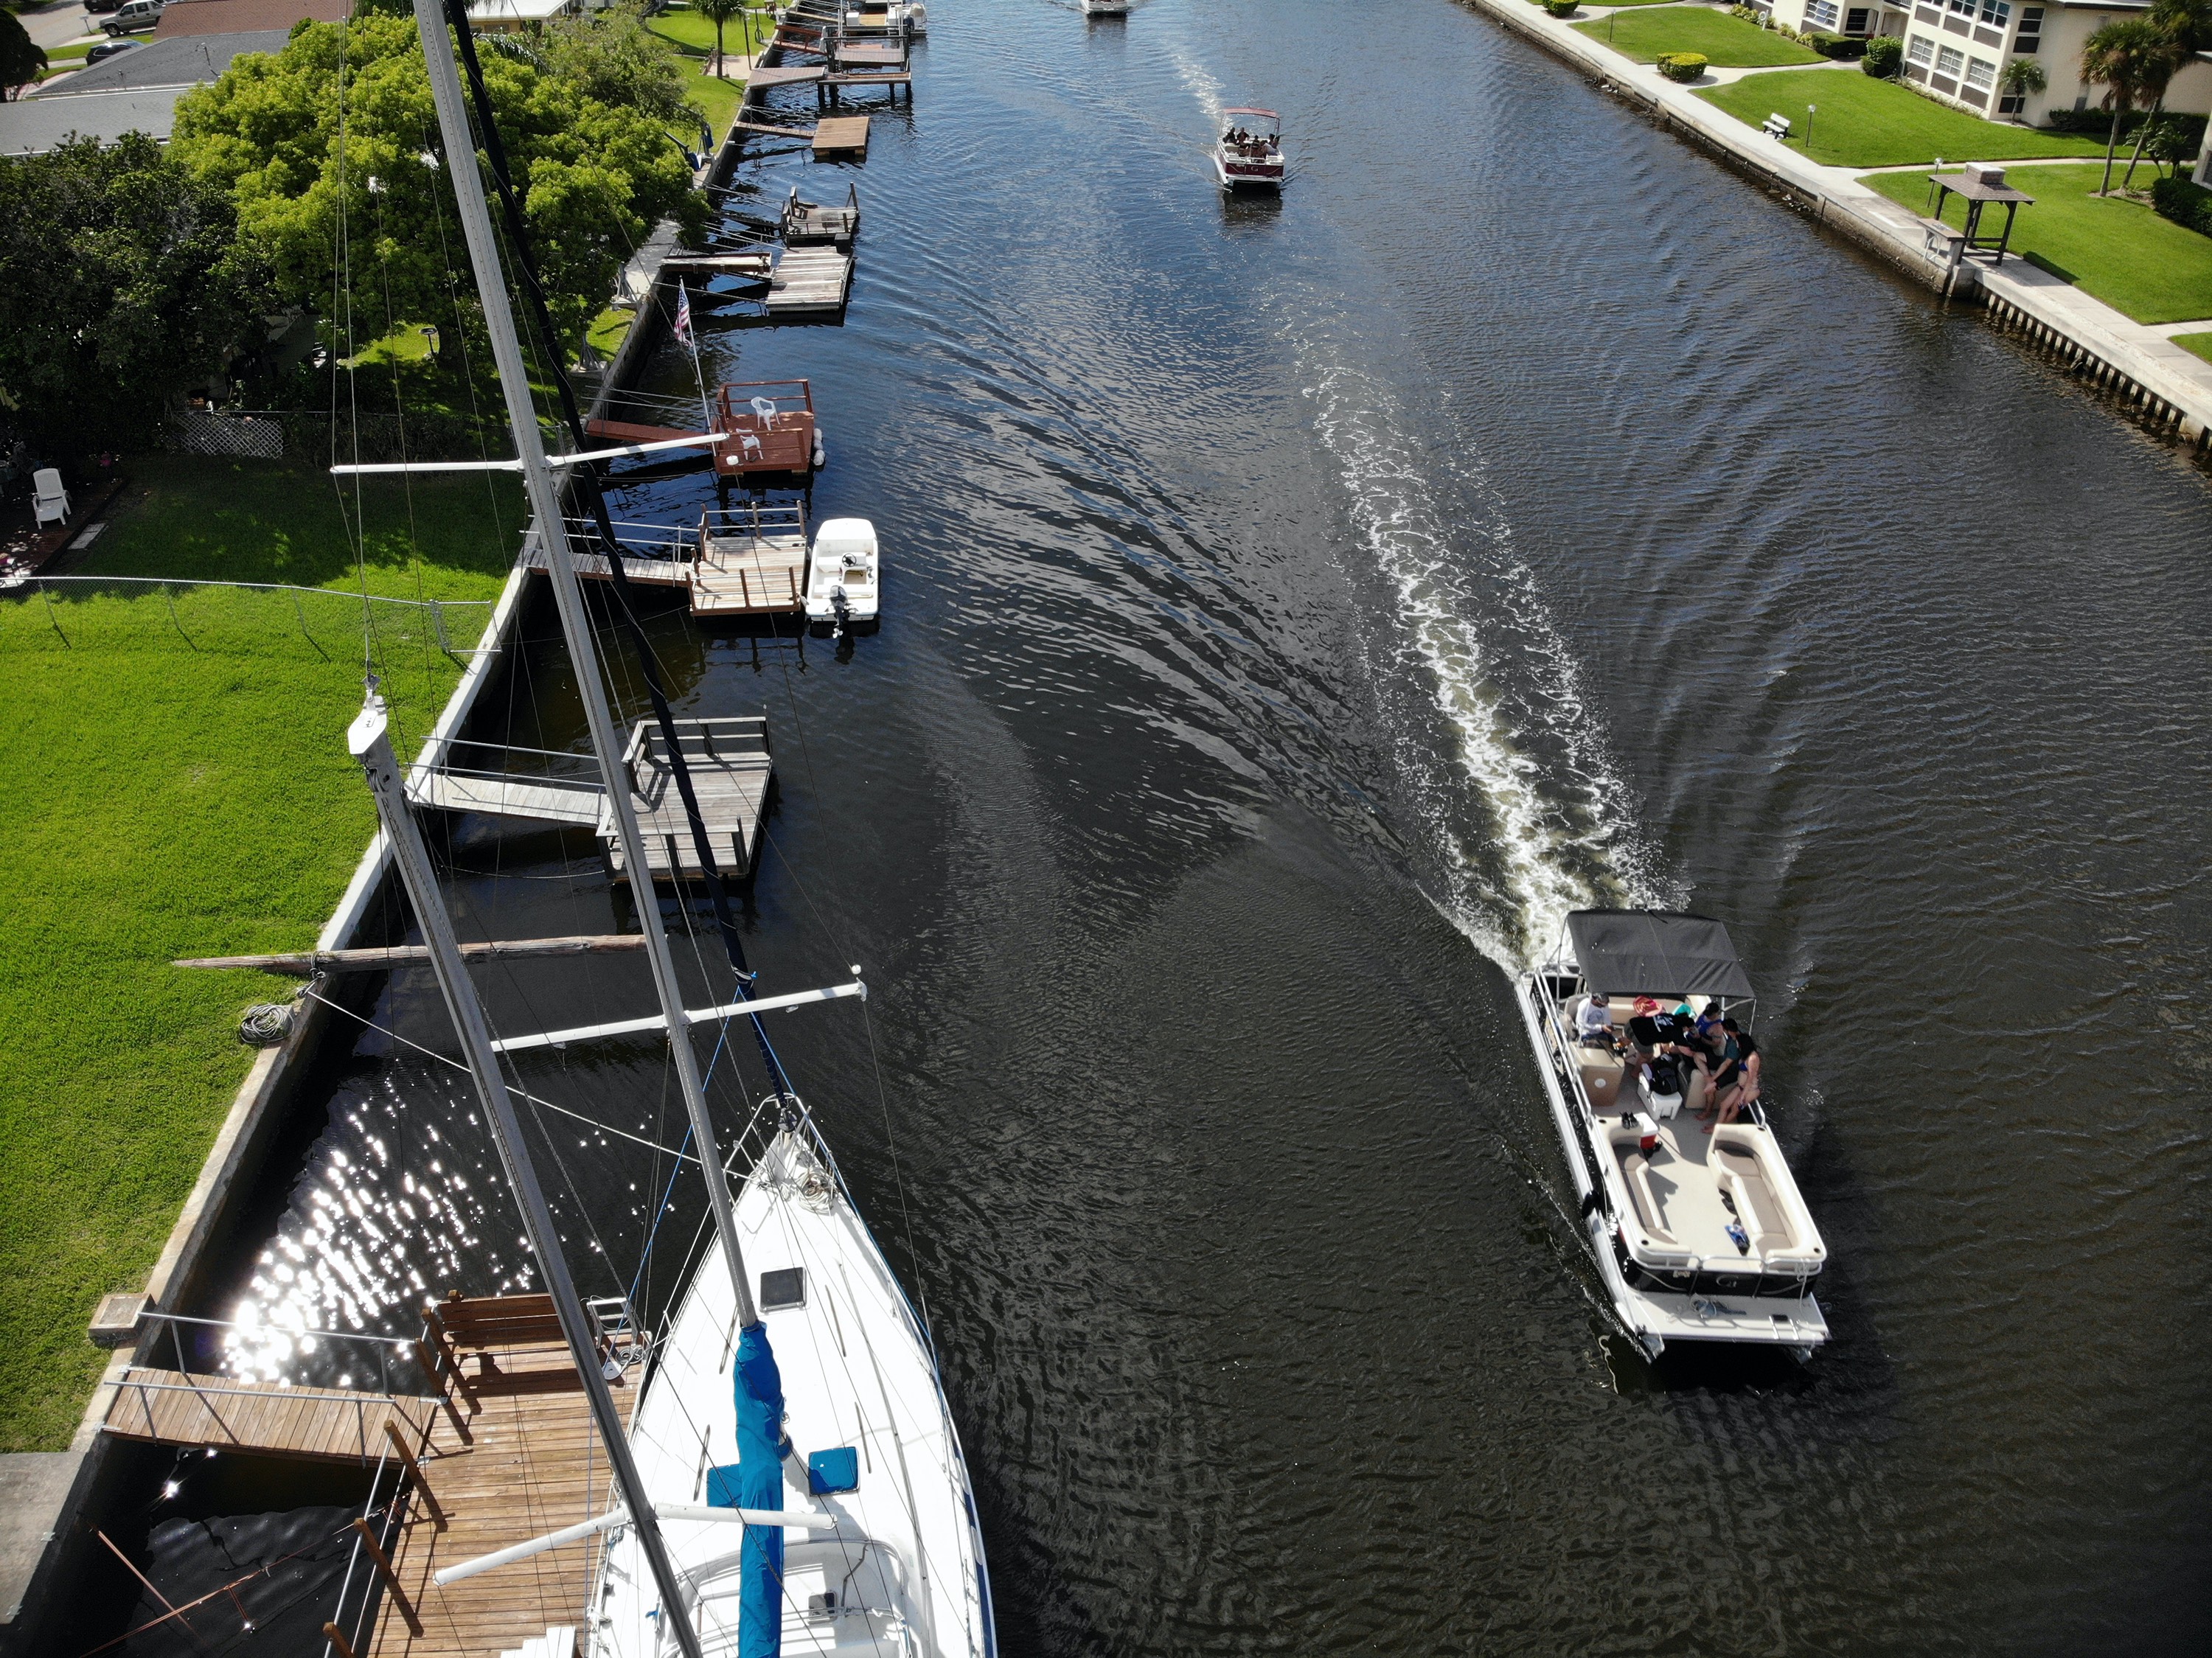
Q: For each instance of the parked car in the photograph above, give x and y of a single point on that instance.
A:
(97, 6)
(134, 16)
(107, 49)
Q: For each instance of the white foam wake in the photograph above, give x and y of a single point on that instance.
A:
(1546, 836)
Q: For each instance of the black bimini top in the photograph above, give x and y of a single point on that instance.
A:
(1656, 952)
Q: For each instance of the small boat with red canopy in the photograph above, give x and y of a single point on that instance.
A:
(1249, 152)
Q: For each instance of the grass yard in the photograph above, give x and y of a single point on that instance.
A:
(695, 36)
(2196, 345)
(1729, 42)
(2120, 251)
(176, 783)
(1863, 122)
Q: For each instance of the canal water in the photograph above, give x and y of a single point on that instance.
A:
(1292, 609)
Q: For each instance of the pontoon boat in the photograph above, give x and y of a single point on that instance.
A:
(1699, 1229)
(1249, 152)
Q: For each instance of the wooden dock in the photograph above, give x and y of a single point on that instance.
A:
(224, 1413)
(811, 281)
(533, 1464)
(842, 135)
(732, 772)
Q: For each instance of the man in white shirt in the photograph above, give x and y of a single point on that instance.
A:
(1593, 1021)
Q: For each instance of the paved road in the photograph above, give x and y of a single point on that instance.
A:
(58, 24)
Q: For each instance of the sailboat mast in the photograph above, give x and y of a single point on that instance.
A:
(371, 743)
(575, 620)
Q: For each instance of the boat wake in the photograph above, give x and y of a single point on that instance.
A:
(1520, 797)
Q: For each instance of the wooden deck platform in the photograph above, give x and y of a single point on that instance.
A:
(534, 1466)
(539, 799)
(814, 280)
(842, 135)
(786, 74)
(218, 1412)
(732, 771)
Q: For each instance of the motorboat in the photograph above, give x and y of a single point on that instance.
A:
(899, 17)
(1699, 1228)
(1105, 8)
(844, 577)
(888, 1556)
(1249, 154)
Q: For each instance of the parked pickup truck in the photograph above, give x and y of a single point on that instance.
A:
(134, 16)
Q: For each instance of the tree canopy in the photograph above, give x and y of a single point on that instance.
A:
(121, 279)
(20, 59)
(330, 147)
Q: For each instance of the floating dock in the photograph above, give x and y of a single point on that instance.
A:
(224, 1413)
(811, 281)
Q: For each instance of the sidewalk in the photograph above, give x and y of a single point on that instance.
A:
(2133, 351)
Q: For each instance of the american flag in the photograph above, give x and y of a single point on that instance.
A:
(683, 314)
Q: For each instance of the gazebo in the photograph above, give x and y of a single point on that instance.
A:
(1978, 184)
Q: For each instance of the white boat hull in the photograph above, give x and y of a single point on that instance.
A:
(906, 1564)
(1237, 172)
(1657, 1317)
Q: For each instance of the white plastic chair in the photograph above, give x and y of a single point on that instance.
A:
(48, 498)
(765, 408)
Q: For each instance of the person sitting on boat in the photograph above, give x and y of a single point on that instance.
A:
(1593, 1021)
(1740, 1085)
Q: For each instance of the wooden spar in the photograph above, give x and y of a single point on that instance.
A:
(304, 963)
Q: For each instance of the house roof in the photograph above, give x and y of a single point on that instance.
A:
(188, 17)
(31, 126)
(187, 63)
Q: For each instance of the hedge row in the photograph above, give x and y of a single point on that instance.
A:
(2185, 203)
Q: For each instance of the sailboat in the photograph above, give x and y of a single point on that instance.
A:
(791, 1479)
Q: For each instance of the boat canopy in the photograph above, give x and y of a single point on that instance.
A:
(1656, 952)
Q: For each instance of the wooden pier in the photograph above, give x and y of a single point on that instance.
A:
(842, 135)
(731, 773)
(732, 768)
(224, 1413)
(815, 281)
(503, 1453)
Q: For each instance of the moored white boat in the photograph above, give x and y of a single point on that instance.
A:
(1699, 1229)
(1105, 8)
(844, 576)
(1249, 154)
(903, 1571)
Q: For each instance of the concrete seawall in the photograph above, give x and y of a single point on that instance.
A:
(2144, 375)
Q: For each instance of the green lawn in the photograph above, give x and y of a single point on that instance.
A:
(1863, 122)
(695, 36)
(2199, 344)
(174, 784)
(2120, 251)
(608, 330)
(1729, 42)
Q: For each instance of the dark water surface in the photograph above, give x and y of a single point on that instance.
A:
(1291, 611)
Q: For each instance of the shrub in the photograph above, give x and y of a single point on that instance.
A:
(1561, 7)
(1834, 45)
(2097, 122)
(1885, 56)
(1749, 13)
(1681, 65)
(2185, 203)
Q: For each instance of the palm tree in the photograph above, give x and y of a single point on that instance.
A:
(2022, 78)
(2187, 26)
(2132, 60)
(720, 11)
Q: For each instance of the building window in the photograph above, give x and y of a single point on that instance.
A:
(1980, 72)
(1855, 21)
(2030, 31)
(1994, 12)
(1964, 7)
(1822, 14)
(1950, 60)
(2012, 103)
(1920, 50)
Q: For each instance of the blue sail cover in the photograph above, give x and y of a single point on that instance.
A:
(761, 1440)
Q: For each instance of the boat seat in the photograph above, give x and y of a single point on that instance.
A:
(1650, 1210)
(1756, 1204)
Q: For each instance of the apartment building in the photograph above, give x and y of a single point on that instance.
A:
(1956, 49)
